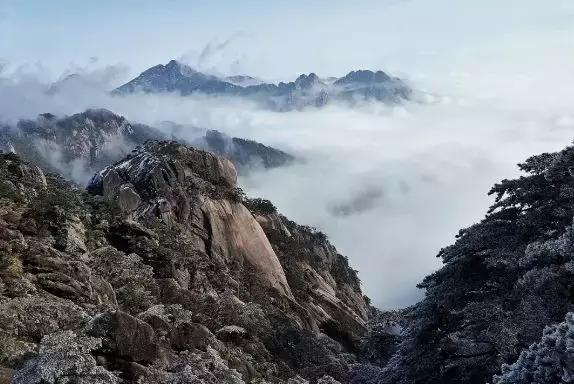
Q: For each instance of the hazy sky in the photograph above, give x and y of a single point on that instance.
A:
(500, 73)
(274, 39)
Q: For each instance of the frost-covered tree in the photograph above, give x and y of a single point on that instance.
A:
(64, 358)
(503, 280)
(549, 361)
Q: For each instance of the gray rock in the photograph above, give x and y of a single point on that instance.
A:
(232, 333)
(126, 336)
(189, 336)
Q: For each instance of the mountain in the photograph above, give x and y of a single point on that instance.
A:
(77, 146)
(164, 272)
(501, 308)
(305, 91)
(80, 83)
(243, 80)
(243, 153)
(175, 76)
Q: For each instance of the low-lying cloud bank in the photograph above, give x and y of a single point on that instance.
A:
(390, 186)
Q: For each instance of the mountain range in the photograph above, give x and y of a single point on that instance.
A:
(306, 91)
(77, 146)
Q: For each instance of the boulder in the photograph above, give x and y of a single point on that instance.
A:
(231, 333)
(128, 199)
(189, 336)
(126, 336)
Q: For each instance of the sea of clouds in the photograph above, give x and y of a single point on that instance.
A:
(389, 185)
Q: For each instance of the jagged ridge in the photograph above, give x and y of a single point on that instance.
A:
(305, 91)
(79, 145)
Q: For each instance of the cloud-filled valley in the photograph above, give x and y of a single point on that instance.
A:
(389, 185)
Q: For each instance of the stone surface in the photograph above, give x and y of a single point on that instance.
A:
(126, 336)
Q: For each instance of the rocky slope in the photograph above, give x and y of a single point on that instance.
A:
(305, 91)
(163, 272)
(500, 309)
(79, 145)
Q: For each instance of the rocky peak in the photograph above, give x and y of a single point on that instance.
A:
(245, 154)
(363, 76)
(175, 77)
(175, 67)
(194, 189)
(243, 80)
(81, 144)
(307, 81)
(165, 170)
(77, 145)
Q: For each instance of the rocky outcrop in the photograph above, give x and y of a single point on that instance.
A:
(75, 146)
(196, 191)
(164, 272)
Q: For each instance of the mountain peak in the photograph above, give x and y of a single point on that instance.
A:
(174, 77)
(307, 81)
(364, 76)
(181, 68)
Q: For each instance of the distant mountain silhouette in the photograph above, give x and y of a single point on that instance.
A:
(306, 90)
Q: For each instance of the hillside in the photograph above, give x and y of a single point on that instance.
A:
(163, 272)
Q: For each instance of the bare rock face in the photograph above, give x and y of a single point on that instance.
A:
(235, 231)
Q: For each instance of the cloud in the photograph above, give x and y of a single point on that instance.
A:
(361, 201)
(217, 57)
(390, 186)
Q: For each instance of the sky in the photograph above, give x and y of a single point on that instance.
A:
(390, 186)
(274, 39)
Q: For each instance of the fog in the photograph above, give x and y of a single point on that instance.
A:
(389, 185)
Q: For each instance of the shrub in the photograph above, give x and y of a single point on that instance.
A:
(65, 358)
(261, 206)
